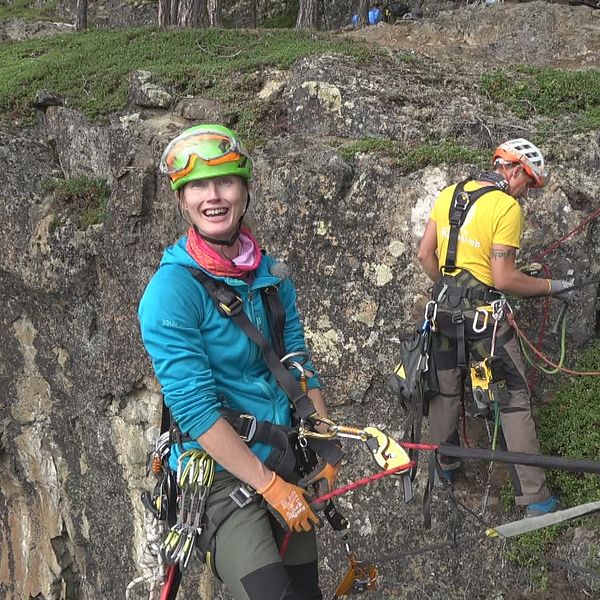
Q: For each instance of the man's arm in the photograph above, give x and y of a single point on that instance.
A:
(427, 251)
(508, 279)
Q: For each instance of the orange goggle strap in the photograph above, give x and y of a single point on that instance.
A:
(194, 158)
(188, 149)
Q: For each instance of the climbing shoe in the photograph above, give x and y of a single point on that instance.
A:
(537, 509)
(448, 475)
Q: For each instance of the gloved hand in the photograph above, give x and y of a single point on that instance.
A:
(288, 503)
(561, 288)
(323, 477)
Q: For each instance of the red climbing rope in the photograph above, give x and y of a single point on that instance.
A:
(347, 488)
(545, 316)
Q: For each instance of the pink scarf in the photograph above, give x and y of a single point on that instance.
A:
(208, 258)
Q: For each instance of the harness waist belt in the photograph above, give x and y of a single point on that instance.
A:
(469, 293)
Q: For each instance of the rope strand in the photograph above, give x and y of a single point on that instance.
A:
(542, 356)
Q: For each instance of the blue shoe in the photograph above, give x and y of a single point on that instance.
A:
(537, 509)
(449, 475)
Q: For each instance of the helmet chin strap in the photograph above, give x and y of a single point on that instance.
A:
(233, 239)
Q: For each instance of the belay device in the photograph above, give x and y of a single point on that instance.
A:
(488, 382)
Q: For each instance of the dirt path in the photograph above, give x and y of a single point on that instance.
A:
(536, 33)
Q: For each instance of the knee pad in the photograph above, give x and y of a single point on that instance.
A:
(271, 582)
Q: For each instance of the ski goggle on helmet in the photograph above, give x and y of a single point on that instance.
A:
(526, 154)
(204, 151)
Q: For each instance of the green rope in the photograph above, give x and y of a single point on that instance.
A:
(496, 425)
(563, 351)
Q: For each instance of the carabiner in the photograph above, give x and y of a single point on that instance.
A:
(480, 311)
(331, 433)
(431, 311)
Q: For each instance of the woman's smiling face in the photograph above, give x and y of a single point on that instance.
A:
(215, 205)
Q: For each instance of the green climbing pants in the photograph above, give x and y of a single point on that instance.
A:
(247, 556)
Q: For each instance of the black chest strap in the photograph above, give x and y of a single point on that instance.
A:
(461, 204)
(230, 305)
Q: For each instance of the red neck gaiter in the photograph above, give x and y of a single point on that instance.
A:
(215, 263)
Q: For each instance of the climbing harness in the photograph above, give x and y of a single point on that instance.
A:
(294, 449)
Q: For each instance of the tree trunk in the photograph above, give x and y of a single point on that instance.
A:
(81, 17)
(164, 13)
(192, 13)
(214, 13)
(308, 15)
(253, 14)
(174, 11)
(363, 13)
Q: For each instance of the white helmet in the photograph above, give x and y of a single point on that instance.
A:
(524, 152)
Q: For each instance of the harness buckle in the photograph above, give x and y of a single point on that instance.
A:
(231, 308)
(242, 496)
(458, 318)
(248, 428)
(464, 200)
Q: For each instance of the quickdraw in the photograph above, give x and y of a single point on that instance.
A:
(195, 475)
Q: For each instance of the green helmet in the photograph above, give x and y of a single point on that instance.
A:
(204, 151)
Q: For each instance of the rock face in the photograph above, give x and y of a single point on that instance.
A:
(79, 402)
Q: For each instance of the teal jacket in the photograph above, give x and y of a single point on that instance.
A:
(203, 360)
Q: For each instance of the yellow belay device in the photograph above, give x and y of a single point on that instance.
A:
(488, 382)
(362, 575)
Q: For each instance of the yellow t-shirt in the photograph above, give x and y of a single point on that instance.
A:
(496, 218)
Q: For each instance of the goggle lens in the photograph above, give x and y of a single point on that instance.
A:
(213, 148)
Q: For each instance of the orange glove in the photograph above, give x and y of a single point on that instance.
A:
(288, 504)
(323, 477)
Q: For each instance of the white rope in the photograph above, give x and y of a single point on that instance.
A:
(150, 559)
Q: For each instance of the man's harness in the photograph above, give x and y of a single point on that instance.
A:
(472, 294)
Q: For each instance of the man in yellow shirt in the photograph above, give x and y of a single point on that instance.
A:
(469, 250)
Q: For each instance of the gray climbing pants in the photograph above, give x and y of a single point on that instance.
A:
(518, 428)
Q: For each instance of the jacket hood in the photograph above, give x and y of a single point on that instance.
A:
(178, 255)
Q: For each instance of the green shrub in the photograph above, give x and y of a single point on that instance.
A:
(437, 153)
(366, 145)
(527, 548)
(570, 426)
(530, 91)
(91, 69)
(83, 197)
(412, 158)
